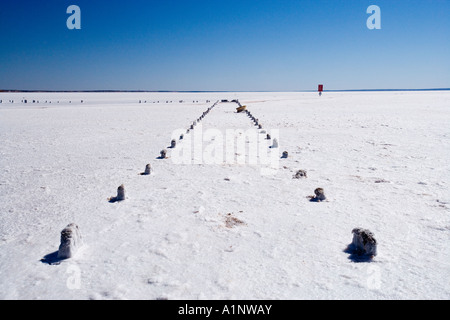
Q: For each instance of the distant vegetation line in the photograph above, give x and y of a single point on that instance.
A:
(209, 91)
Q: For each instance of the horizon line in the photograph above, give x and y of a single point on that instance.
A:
(212, 91)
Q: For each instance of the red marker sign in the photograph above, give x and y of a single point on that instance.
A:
(320, 87)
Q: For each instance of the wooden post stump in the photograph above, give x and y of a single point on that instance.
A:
(148, 170)
(364, 242)
(71, 241)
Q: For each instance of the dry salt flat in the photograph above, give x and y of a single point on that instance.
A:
(225, 230)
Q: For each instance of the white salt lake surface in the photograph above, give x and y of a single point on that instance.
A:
(225, 230)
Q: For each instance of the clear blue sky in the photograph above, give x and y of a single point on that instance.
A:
(224, 45)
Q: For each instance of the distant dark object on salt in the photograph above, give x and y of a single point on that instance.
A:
(163, 154)
(320, 195)
(300, 174)
(148, 170)
(275, 143)
(120, 195)
(285, 155)
(173, 143)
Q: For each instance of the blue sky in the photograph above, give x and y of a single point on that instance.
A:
(224, 45)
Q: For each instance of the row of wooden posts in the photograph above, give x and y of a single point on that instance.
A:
(81, 101)
(71, 238)
(171, 101)
(363, 242)
(26, 101)
(173, 143)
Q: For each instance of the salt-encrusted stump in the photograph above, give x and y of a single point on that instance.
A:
(300, 174)
(120, 195)
(320, 195)
(364, 242)
(71, 241)
(173, 143)
(268, 137)
(182, 137)
(285, 154)
(275, 143)
(163, 154)
(148, 170)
